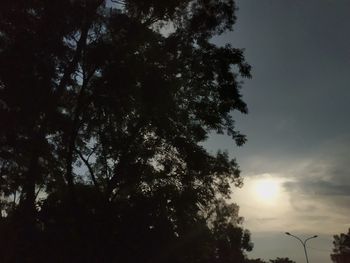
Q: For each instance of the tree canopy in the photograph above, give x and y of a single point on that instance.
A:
(276, 260)
(341, 250)
(281, 260)
(255, 260)
(105, 105)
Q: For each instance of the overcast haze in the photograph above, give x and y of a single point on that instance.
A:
(298, 124)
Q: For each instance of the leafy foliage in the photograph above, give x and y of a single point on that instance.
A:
(281, 260)
(341, 250)
(277, 260)
(106, 105)
(256, 260)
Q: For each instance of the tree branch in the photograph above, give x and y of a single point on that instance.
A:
(74, 62)
(91, 171)
(125, 156)
(81, 44)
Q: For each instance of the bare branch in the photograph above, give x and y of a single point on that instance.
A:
(91, 171)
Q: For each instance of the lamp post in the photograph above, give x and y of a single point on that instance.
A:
(303, 243)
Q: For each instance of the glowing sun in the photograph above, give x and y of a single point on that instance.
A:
(266, 190)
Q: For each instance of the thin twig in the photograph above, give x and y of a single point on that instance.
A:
(91, 171)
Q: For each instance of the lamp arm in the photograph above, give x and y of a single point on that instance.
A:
(309, 239)
(298, 239)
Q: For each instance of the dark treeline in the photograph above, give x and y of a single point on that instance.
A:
(341, 250)
(103, 107)
(277, 260)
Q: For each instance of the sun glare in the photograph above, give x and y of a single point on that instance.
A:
(266, 189)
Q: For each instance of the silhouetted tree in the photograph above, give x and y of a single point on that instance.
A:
(341, 250)
(257, 260)
(281, 260)
(105, 105)
(277, 260)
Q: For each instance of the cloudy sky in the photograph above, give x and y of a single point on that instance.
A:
(296, 161)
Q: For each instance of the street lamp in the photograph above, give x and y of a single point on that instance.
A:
(303, 243)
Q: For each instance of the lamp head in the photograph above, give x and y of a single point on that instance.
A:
(287, 233)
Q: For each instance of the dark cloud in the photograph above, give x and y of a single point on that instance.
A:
(316, 217)
(317, 187)
(299, 95)
(326, 172)
(302, 205)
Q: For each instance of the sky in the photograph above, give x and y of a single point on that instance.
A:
(295, 164)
